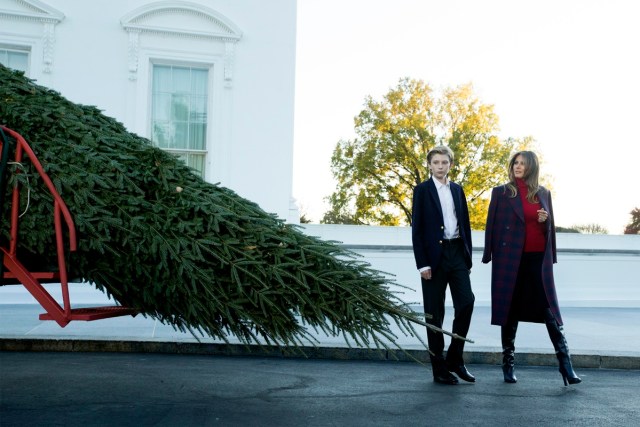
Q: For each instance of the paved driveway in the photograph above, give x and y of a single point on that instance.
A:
(118, 389)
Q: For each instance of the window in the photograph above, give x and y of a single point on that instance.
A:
(179, 112)
(14, 58)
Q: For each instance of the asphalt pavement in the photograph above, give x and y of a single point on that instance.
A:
(138, 372)
(135, 389)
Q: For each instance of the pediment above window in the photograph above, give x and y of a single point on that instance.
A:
(184, 19)
(31, 10)
(181, 19)
(36, 11)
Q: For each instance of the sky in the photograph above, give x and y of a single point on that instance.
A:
(566, 72)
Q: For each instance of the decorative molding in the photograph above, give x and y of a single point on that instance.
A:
(216, 25)
(134, 48)
(152, 19)
(229, 55)
(48, 42)
(37, 11)
(32, 10)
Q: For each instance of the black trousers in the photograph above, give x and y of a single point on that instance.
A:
(453, 272)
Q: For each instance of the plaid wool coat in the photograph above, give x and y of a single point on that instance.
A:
(504, 244)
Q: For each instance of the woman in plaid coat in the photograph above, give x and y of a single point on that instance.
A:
(520, 239)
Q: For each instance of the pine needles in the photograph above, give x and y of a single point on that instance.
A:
(195, 255)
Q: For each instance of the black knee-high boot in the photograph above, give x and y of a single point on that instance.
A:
(508, 335)
(562, 349)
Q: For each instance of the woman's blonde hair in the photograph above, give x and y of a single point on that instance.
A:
(531, 175)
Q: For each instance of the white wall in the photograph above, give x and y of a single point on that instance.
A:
(83, 50)
(592, 270)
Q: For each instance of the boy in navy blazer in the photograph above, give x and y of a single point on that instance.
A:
(441, 235)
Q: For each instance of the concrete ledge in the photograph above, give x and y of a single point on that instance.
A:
(486, 357)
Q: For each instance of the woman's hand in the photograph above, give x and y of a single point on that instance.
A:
(542, 215)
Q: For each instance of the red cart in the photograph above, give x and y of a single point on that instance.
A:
(13, 271)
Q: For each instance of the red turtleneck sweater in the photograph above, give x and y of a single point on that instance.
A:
(535, 240)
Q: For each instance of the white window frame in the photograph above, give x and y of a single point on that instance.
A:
(210, 112)
(39, 22)
(215, 90)
(31, 45)
(20, 49)
(215, 38)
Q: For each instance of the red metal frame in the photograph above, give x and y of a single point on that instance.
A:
(32, 280)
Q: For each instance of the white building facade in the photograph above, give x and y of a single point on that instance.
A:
(211, 81)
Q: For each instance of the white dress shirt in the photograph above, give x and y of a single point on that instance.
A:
(448, 209)
(451, 230)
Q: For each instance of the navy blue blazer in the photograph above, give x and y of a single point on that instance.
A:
(427, 224)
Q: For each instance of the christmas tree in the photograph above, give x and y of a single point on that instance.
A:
(156, 237)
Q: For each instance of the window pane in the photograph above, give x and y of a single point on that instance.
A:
(179, 112)
(161, 134)
(15, 59)
(199, 82)
(196, 161)
(198, 109)
(197, 136)
(181, 135)
(182, 156)
(180, 108)
(161, 109)
(18, 61)
(193, 160)
(181, 80)
(161, 79)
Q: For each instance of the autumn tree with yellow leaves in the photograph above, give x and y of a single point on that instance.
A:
(378, 169)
